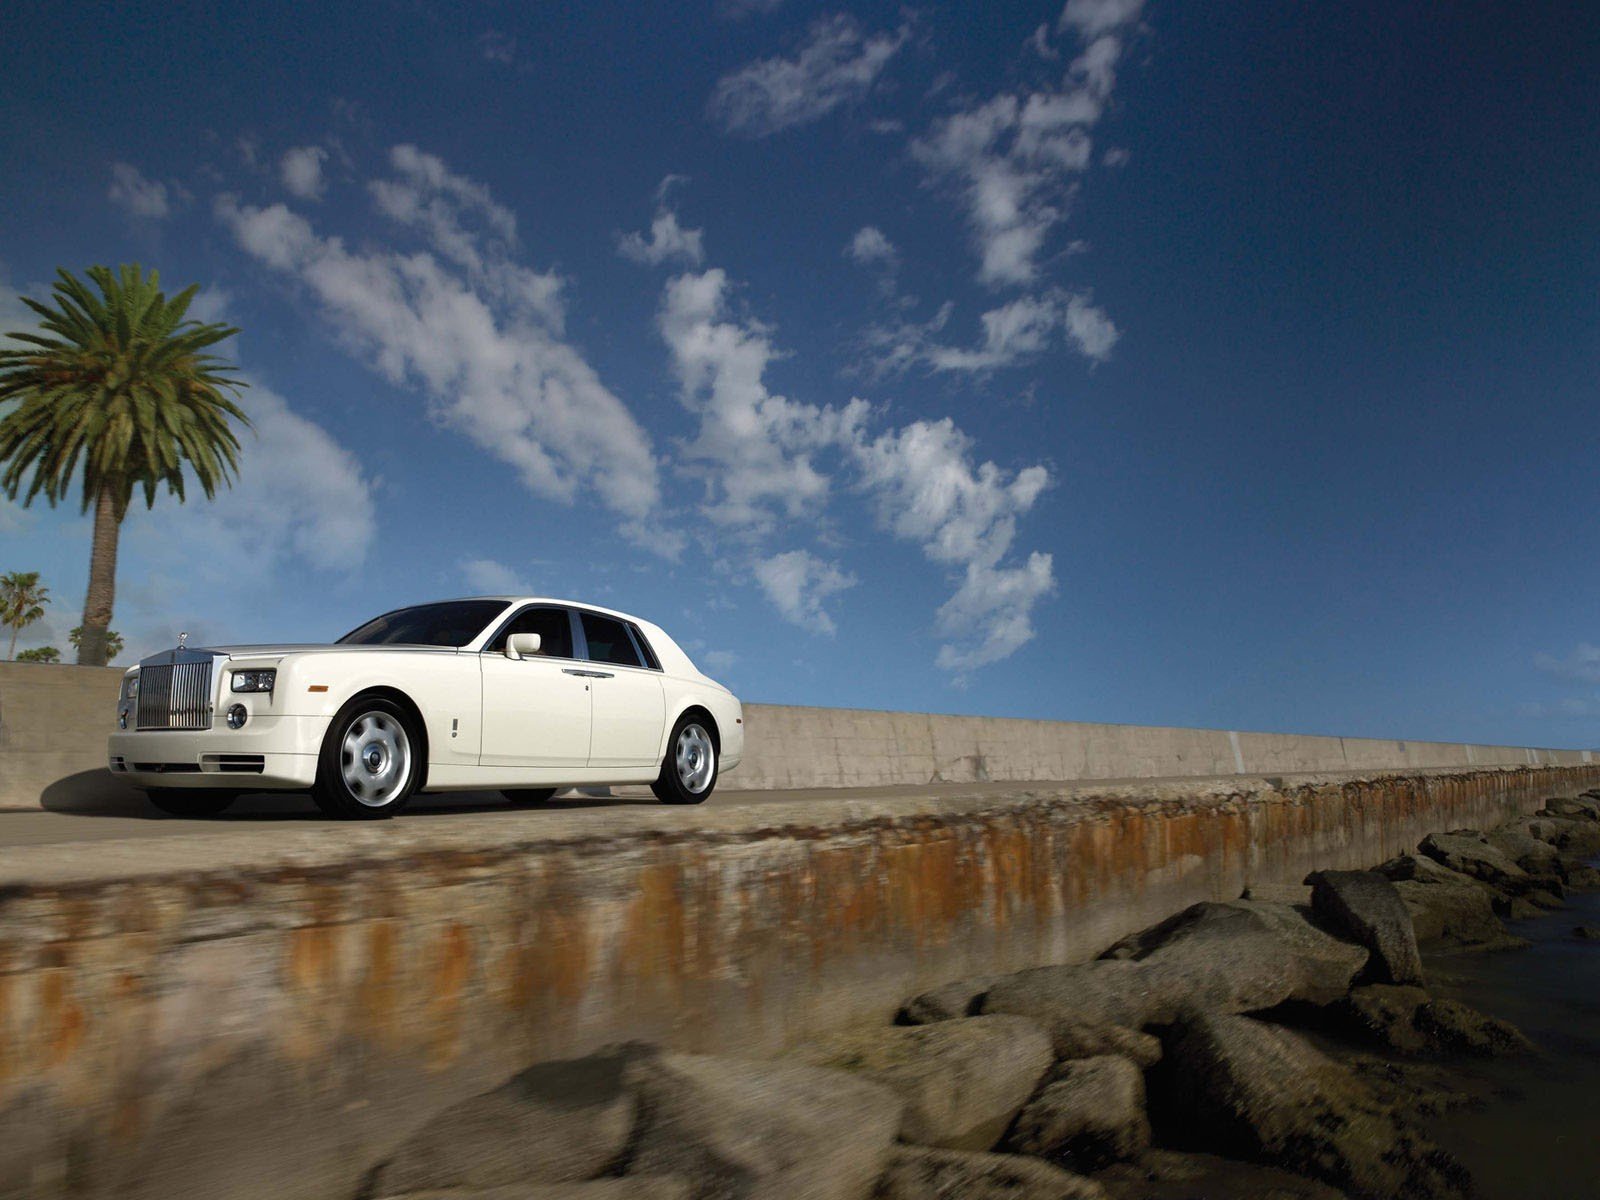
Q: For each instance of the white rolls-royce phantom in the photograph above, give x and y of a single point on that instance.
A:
(523, 695)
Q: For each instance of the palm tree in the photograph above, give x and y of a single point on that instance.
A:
(120, 384)
(22, 601)
(114, 641)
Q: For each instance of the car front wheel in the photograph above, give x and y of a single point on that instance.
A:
(369, 764)
(689, 773)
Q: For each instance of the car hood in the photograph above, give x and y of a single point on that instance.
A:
(279, 650)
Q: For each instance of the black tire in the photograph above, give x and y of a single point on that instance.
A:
(191, 802)
(680, 780)
(367, 722)
(528, 795)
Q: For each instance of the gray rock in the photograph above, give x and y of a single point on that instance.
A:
(1257, 1091)
(1366, 906)
(1584, 807)
(1449, 910)
(1572, 837)
(1091, 1114)
(1586, 933)
(640, 1187)
(959, 999)
(760, 1130)
(1169, 1175)
(1528, 852)
(1074, 1039)
(1094, 993)
(1387, 1015)
(1454, 1028)
(554, 1122)
(1469, 852)
(1239, 956)
(962, 1081)
(918, 1173)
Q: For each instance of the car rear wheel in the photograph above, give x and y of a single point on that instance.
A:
(369, 765)
(689, 772)
(190, 802)
(527, 795)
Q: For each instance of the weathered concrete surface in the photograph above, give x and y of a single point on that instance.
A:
(54, 720)
(327, 989)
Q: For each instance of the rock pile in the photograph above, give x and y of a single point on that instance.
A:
(1178, 1064)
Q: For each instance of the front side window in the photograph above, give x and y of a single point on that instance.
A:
(608, 641)
(452, 623)
(552, 626)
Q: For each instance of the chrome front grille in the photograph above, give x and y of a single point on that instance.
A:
(176, 696)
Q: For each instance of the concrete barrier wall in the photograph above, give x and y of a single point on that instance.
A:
(244, 1016)
(54, 721)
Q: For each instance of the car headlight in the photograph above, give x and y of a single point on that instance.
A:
(130, 687)
(254, 681)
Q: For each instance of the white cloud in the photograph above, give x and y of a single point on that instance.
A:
(1115, 157)
(754, 449)
(1012, 333)
(1582, 664)
(870, 246)
(719, 660)
(1013, 158)
(1091, 18)
(301, 171)
(15, 316)
(928, 491)
(799, 583)
(474, 330)
(836, 65)
(486, 576)
(299, 495)
(668, 242)
(1039, 43)
(149, 198)
(497, 47)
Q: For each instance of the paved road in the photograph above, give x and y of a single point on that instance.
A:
(122, 817)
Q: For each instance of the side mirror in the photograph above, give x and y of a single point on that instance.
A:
(520, 644)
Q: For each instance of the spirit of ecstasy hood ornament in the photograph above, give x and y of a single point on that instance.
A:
(182, 638)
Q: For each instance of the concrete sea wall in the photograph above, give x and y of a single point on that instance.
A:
(54, 721)
(217, 1015)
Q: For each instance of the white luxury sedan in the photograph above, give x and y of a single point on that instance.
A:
(525, 695)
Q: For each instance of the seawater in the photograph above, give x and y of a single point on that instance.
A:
(1540, 1140)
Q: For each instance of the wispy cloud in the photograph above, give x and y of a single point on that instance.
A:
(870, 247)
(497, 47)
(668, 241)
(301, 171)
(799, 583)
(142, 197)
(490, 577)
(1012, 334)
(464, 322)
(1014, 157)
(836, 65)
(1582, 664)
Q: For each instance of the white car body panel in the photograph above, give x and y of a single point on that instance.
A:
(489, 721)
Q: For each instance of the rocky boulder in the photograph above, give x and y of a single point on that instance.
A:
(1092, 993)
(962, 1081)
(1467, 851)
(1090, 1114)
(1073, 1039)
(553, 1123)
(1257, 1091)
(640, 1187)
(1586, 807)
(1572, 837)
(1170, 1175)
(1533, 855)
(760, 1130)
(959, 999)
(1448, 910)
(1366, 907)
(918, 1173)
(1238, 956)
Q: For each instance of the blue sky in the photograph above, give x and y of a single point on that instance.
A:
(1123, 361)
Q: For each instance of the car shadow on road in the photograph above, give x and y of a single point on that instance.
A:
(102, 794)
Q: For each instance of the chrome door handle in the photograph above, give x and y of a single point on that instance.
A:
(587, 674)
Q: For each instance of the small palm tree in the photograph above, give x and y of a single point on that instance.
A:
(114, 641)
(120, 385)
(22, 601)
(40, 654)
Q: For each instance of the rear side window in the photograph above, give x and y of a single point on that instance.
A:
(552, 626)
(650, 659)
(608, 641)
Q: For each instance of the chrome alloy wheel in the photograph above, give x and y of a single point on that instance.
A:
(696, 758)
(375, 758)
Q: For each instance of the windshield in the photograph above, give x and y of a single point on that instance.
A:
(453, 623)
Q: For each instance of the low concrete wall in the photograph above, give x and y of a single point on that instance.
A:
(54, 721)
(202, 1016)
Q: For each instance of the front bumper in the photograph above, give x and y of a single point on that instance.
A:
(270, 753)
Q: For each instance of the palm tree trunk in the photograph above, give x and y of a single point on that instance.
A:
(12, 653)
(102, 579)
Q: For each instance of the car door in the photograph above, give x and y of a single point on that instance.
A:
(629, 704)
(537, 712)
